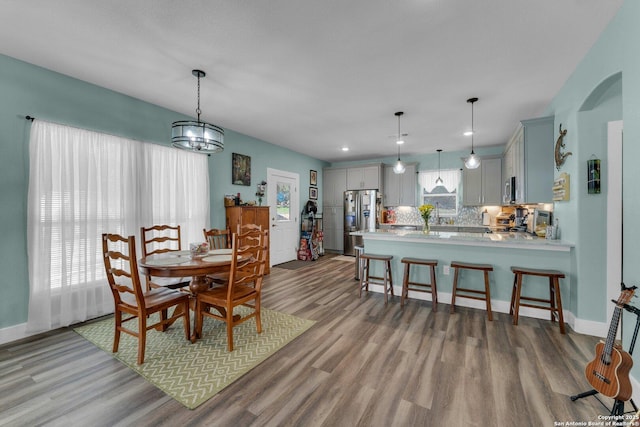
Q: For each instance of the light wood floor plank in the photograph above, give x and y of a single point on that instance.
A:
(363, 363)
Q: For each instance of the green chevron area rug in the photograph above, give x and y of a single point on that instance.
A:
(194, 373)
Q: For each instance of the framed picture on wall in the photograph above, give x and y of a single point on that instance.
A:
(313, 193)
(313, 177)
(240, 169)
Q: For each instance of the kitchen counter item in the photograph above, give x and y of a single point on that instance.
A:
(541, 219)
(400, 226)
(503, 220)
(486, 218)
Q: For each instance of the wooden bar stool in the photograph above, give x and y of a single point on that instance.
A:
(417, 286)
(555, 299)
(386, 280)
(359, 250)
(471, 293)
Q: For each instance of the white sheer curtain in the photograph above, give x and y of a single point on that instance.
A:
(83, 184)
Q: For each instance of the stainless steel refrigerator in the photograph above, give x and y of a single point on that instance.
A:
(361, 210)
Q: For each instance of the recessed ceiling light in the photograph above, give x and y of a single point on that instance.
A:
(345, 148)
(468, 133)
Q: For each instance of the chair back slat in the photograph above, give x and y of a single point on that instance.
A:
(249, 246)
(160, 239)
(123, 277)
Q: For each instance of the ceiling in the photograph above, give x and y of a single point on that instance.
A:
(314, 76)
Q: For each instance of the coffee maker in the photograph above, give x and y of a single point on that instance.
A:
(520, 220)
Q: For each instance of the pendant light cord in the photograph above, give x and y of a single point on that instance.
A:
(198, 111)
(473, 129)
(399, 138)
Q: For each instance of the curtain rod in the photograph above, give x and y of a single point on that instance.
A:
(31, 119)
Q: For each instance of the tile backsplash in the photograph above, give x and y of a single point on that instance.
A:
(467, 215)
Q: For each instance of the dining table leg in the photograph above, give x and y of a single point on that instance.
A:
(198, 284)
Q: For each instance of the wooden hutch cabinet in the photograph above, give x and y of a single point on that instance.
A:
(249, 215)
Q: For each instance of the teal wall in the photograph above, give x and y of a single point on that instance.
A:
(263, 155)
(30, 90)
(604, 87)
(584, 106)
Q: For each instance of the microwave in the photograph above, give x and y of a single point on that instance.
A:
(541, 219)
(509, 196)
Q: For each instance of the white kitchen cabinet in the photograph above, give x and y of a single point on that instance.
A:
(483, 186)
(529, 157)
(513, 161)
(365, 177)
(333, 218)
(334, 184)
(492, 181)
(400, 189)
(538, 147)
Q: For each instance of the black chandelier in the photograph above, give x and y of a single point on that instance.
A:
(195, 135)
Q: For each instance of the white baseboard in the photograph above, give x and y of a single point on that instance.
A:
(586, 327)
(14, 333)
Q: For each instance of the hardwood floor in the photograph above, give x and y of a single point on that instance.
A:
(361, 364)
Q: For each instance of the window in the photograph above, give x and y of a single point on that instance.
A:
(444, 196)
(83, 184)
(283, 205)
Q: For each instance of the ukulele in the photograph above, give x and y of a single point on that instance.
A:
(608, 372)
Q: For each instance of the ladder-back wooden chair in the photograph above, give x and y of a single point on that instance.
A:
(243, 231)
(159, 239)
(218, 238)
(121, 266)
(243, 288)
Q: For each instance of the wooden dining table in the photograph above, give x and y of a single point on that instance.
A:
(183, 264)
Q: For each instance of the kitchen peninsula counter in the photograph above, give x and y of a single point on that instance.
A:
(501, 250)
(512, 240)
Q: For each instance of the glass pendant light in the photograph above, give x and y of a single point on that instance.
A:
(472, 161)
(197, 136)
(399, 166)
(439, 180)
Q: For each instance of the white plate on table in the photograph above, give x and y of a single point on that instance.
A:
(220, 252)
(167, 261)
(180, 253)
(218, 258)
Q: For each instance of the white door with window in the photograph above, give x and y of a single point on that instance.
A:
(284, 207)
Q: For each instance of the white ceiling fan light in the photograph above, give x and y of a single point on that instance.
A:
(399, 167)
(473, 161)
